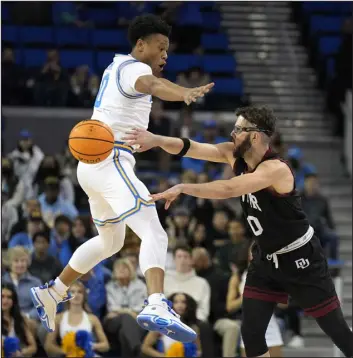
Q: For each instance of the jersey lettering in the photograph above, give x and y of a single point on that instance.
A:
(251, 200)
(255, 225)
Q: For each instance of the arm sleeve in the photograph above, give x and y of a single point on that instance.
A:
(128, 75)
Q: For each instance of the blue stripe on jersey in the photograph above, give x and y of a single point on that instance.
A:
(130, 96)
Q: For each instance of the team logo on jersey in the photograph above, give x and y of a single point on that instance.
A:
(302, 263)
(251, 200)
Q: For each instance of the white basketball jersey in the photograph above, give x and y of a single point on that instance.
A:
(118, 104)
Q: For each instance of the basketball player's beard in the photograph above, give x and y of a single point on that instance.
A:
(241, 149)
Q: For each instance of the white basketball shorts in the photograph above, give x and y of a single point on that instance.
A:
(112, 187)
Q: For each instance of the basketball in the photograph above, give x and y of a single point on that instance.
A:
(91, 141)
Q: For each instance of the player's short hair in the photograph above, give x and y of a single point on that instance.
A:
(261, 117)
(146, 25)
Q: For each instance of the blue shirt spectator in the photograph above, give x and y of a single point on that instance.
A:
(24, 238)
(300, 169)
(209, 135)
(94, 282)
(53, 205)
(19, 276)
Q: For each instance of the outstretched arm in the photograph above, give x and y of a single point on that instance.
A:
(267, 174)
(169, 91)
(219, 153)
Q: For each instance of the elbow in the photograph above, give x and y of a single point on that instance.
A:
(154, 87)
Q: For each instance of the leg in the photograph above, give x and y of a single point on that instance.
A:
(313, 289)
(229, 331)
(335, 326)
(109, 241)
(256, 317)
(153, 251)
(158, 314)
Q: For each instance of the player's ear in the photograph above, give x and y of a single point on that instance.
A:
(140, 44)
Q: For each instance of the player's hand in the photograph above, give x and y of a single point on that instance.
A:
(192, 94)
(169, 195)
(138, 136)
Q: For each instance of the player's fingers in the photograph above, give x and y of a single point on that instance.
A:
(209, 85)
(129, 137)
(167, 205)
(130, 142)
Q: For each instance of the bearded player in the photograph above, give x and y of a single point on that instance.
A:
(287, 256)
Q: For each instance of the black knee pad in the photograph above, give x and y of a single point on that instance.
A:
(254, 340)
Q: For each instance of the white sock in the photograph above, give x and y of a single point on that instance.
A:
(155, 298)
(60, 287)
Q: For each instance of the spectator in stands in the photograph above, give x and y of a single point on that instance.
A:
(125, 297)
(16, 189)
(14, 324)
(51, 85)
(158, 345)
(52, 204)
(194, 77)
(163, 184)
(277, 144)
(50, 167)
(199, 238)
(18, 275)
(210, 135)
(292, 315)
(12, 79)
(319, 215)
(9, 217)
(76, 317)
(127, 11)
(43, 265)
(178, 225)
(300, 169)
(225, 254)
(95, 281)
(134, 260)
(219, 232)
(75, 14)
(26, 157)
(227, 328)
(160, 124)
(34, 224)
(83, 86)
(27, 208)
(189, 26)
(184, 279)
(81, 229)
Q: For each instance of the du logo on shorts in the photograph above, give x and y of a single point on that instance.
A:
(302, 263)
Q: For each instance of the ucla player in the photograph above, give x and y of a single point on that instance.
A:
(117, 197)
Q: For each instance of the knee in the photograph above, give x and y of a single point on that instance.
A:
(254, 339)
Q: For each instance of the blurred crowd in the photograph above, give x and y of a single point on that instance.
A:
(45, 219)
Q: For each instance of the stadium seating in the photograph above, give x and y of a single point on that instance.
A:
(329, 45)
(330, 7)
(110, 38)
(66, 36)
(9, 34)
(96, 45)
(36, 35)
(322, 23)
(34, 57)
